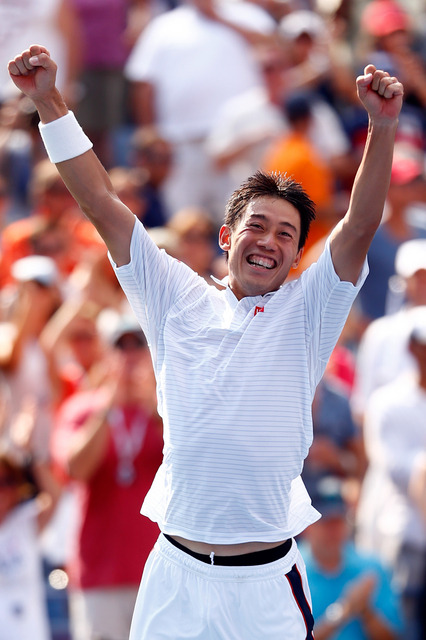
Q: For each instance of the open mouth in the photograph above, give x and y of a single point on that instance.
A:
(262, 262)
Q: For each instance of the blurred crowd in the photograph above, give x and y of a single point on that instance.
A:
(183, 100)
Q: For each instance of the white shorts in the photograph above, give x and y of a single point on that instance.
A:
(182, 598)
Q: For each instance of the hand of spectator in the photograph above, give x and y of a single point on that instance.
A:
(127, 379)
(357, 597)
(109, 374)
(95, 281)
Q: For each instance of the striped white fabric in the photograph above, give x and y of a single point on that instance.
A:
(235, 382)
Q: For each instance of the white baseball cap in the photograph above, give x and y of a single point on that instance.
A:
(302, 21)
(410, 257)
(41, 269)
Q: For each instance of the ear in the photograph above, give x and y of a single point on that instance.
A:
(225, 238)
(298, 258)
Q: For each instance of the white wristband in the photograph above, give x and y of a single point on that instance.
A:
(64, 138)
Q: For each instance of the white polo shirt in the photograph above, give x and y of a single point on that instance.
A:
(235, 382)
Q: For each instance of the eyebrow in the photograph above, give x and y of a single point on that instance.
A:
(261, 216)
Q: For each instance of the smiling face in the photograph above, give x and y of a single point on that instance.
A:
(263, 247)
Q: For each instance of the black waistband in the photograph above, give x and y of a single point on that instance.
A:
(244, 560)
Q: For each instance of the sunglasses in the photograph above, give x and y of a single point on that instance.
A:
(130, 342)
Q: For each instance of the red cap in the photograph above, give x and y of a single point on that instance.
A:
(382, 17)
(405, 170)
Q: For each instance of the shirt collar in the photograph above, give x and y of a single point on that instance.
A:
(224, 282)
(221, 282)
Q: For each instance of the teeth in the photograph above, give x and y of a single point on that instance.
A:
(261, 262)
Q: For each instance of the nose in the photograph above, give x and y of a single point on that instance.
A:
(268, 241)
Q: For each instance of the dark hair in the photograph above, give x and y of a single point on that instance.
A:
(273, 185)
(16, 475)
(297, 107)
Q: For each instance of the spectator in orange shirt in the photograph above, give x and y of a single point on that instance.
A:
(56, 228)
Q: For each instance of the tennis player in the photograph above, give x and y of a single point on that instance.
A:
(236, 373)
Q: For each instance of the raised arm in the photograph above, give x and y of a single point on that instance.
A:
(382, 97)
(34, 73)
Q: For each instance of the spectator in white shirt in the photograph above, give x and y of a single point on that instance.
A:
(390, 518)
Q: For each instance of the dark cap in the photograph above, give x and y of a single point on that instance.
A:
(327, 497)
(297, 106)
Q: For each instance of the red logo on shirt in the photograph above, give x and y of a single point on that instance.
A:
(258, 310)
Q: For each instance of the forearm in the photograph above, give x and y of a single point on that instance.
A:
(351, 238)
(325, 630)
(143, 103)
(83, 174)
(58, 326)
(11, 344)
(88, 446)
(10, 352)
(50, 489)
(382, 97)
(89, 182)
(34, 73)
(335, 617)
(375, 627)
(372, 179)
